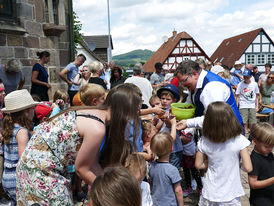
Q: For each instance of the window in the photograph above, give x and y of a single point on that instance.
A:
(250, 59)
(8, 10)
(227, 43)
(261, 59)
(270, 58)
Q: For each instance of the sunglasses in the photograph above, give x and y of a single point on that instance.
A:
(270, 77)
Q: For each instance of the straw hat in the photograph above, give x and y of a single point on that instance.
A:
(18, 100)
(238, 63)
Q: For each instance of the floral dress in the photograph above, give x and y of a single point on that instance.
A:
(42, 175)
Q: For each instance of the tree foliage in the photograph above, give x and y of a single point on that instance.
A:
(77, 27)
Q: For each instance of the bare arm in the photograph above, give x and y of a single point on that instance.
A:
(77, 79)
(22, 139)
(21, 83)
(34, 79)
(86, 164)
(258, 184)
(155, 110)
(200, 161)
(246, 164)
(173, 128)
(179, 193)
(237, 99)
(238, 75)
(63, 75)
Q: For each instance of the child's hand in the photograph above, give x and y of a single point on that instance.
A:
(159, 111)
(172, 120)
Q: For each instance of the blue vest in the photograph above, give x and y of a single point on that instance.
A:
(210, 77)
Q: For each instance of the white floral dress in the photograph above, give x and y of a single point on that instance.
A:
(42, 175)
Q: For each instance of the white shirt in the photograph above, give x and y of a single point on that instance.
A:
(146, 196)
(223, 181)
(213, 91)
(247, 94)
(144, 85)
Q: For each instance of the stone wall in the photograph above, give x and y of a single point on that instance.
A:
(34, 32)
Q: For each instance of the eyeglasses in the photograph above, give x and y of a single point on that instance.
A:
(183, 81)
(270, 77)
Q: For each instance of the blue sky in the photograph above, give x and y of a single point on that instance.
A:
(141, 24)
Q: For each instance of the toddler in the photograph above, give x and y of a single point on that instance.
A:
(92, 94)
(165, 178)
(60, 101)
(115, 187)
(261, 179)
(136, 165)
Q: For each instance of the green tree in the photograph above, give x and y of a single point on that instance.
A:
(77, 27)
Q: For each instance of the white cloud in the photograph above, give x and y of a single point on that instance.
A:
(141, 24)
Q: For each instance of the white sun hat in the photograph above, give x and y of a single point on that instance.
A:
(217, 69)
(238, 63)
(18, 100)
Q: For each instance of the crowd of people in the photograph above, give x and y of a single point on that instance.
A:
(113, 140)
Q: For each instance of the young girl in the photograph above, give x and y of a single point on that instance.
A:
(16, 126)
(136, 165)
(148, 131)
(115, 187)
(219, 150)
(60, 102)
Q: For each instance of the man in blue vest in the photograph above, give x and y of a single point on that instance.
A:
(205, 87)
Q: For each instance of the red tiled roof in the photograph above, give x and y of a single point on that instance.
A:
(165, 50)
(231, 49)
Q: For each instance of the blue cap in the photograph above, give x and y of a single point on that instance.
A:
(169, 87)
(247, 73)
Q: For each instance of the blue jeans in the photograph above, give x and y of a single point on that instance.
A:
(175, 159)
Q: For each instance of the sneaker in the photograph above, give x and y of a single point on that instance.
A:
(187, 191)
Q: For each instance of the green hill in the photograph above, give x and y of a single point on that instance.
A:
(131, 58)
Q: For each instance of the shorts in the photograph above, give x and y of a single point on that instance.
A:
(248, 115)
(205, 202)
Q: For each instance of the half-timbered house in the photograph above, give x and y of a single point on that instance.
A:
(254, 47)
(174, 50)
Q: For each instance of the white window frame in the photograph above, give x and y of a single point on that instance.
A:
(261, 59)
(270, 58)
(251, 59)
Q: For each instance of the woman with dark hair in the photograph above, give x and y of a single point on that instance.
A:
(116, 77)
(42, 170)
(39, 77)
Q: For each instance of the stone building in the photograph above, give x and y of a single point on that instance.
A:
(28, 26)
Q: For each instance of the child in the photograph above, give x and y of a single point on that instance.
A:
(168, 95)
(188, 160)
(60, 102)
(136, 165)
(165, 178)
(154, 101)
(261, 179)
(42, 112)
(237, 74)
(115, 187)
(16, 127)
(247, 98)
(148, 131)
(219, 150)
(92, 94)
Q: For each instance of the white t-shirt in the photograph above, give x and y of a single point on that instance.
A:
(146, 196)
(144, 85)
(247, 94)
(223, 181)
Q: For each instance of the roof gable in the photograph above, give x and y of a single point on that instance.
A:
(166, 49)
(100, 41)
(231, 49)
(85, 46)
